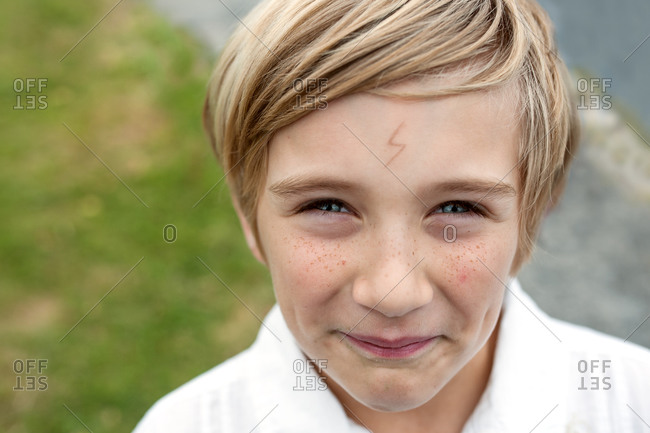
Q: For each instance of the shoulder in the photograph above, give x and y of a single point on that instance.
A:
(600, 382)
(220, 393)
(582, 340)
(608, 380)
(581, 379)
(222, 398)
(255, 390)
(542, 334)
(602, 362)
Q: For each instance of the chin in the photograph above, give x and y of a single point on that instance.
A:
(392, 396)
(390, 402)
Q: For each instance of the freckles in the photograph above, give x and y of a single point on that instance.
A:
(462, 266)
(466, 273)
(315, 259)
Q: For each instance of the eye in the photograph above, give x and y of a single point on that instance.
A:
(326, 206)
(458, 207)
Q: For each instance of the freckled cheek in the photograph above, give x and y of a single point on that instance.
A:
(469, 267)
(311, 271)
(473, 292)
(459, 264)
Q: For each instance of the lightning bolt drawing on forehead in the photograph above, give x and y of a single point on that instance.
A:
(391, 142)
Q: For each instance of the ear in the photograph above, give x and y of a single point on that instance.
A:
(248, 233)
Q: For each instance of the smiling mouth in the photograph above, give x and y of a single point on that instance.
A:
(401, 348)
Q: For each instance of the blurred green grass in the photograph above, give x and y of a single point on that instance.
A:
(132, 91)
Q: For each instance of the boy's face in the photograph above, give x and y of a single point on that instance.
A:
(380, 262)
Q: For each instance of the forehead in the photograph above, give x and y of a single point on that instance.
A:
(362, 135)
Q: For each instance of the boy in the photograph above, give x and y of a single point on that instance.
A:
(390, 163)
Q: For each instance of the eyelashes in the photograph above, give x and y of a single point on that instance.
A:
(457, 208)
(460, 208)
(325, 207)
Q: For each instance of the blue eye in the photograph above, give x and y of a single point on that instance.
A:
(458, 207)
(453, 208)
(327, 205)
(336, 206)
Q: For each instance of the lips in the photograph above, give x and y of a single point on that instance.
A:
(403, 347)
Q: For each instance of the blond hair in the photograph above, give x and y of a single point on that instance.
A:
(369, 45)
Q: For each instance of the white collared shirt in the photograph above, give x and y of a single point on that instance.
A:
(547, 376)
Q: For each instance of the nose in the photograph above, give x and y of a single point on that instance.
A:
(395, 284)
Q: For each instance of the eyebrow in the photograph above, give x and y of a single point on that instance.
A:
(301, 184)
